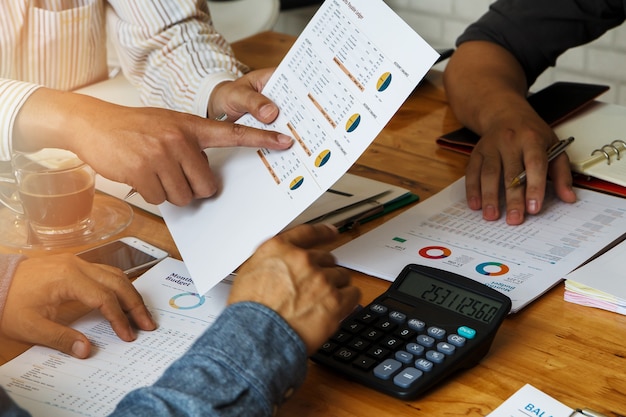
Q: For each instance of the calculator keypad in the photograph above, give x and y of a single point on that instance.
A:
(392, 345)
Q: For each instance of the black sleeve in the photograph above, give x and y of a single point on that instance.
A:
(538, 31)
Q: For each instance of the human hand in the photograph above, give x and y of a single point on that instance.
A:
(243, 95)
(518, 140)
(157, 152)
(41, 285)
(301, 284)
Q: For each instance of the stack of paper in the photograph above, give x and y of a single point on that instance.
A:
(600, 283)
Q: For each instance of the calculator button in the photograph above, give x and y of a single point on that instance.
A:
(407, 377)
(405, 333)
(417, 325)
(378, 352)
(424, 365)
(434, 356)
(367, 317)
(436, 332)
(378, 308)
(397, 317)
(328, 347)
(353, 326)
(344, 354)
(358, 344)
(415, 349)
(466, 332)
(456, 340)
(387, 368)
(391, 342)
(446, 348)
(386, 325)
(341, 337)
(372, 334)
(403, 356)
(364, 363)
(424, 340)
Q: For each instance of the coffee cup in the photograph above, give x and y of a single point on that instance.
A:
(54, 192)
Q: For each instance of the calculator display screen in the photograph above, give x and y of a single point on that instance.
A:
(462, 301)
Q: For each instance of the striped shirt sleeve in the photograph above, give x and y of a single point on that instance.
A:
(171, 51)
(13, 94)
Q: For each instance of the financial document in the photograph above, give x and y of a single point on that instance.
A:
(49, 383)
(346, 75)
(520, 261)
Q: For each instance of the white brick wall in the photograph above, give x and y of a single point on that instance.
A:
(440, 22)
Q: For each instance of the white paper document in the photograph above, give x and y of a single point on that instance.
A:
(520, 261)
(347, 74)
(531, 402)
(52, 384)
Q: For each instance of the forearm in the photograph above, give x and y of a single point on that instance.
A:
(483, 83)
(56, 119)
(245, 364)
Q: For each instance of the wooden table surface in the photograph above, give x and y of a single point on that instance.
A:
(576, 354)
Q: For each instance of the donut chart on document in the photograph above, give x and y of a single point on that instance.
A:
(296, 183)
(383, 82)
(186, 301)
(501, 269)
(353, 122)
(322, 158)
(435, 252)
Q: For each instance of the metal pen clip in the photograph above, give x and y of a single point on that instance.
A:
(587, 412)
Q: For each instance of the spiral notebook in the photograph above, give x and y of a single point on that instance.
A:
(599, 150)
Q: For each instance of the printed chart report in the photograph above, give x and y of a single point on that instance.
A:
(346, 75)
(520, 261)
(52, 384)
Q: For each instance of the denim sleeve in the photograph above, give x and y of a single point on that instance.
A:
(537, 32)
(246, 363)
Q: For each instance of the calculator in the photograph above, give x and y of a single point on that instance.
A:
(429, 324)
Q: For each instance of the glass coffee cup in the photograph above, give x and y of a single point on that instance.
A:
(54, 191)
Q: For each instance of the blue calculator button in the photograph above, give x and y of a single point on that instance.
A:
(447, 348)
(416, 325)
(415, 349)
(404, 356)
(387, 368)
(456, 340)
(436, 332)
(434, 356)
(424, 340)
(466, 332)
(424, 365)
(397, 317)
(407, 377)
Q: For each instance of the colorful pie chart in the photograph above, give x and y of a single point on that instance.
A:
(492, 269)
(383, 82)
(322, 158)
(353, 122)
(435, 252)
(296, 183)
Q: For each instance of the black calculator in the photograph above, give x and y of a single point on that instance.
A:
(429, 324)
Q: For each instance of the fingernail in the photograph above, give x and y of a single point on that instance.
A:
(533, 206)
(513, 217)
(490, 212)
(79, 349)
(268, 112)
(284, 139)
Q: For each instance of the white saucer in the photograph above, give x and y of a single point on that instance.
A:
(109, 216)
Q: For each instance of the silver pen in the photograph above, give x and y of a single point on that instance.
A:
(587, 412)
(554, 151)
(220, 118)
